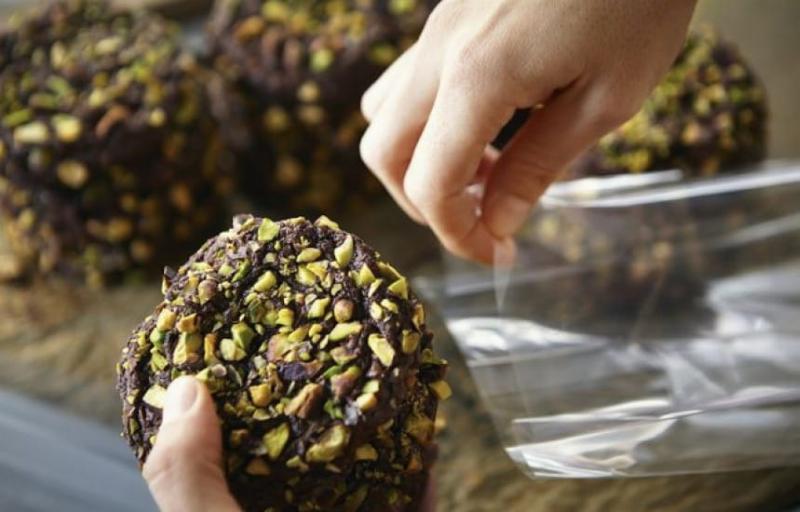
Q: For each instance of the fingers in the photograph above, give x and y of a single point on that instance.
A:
(372, 100)
(388, 144)
(466, 116)
(542, 148)
(184, 470)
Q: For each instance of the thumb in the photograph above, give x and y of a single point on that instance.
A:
(184, 470)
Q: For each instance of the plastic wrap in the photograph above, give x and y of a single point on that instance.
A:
(651, 325)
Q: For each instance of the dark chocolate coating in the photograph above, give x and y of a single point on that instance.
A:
(708, 115)
(301, 68)
(318, 359)
(109, 159)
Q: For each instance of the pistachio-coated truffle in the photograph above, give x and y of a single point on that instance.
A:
(301, 67)
(317, 356)
(109, 160)
(707, 115)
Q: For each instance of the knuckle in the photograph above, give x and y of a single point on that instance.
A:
(373, 152)
(418, 191)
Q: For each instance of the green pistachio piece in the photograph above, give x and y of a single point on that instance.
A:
(266, 282)
(341, 356)
(155, 396)
(166, 319)
(388, 271)
(209, 348)
(318, 268)
(305, 276)
(72, 173)
(382, 349)
(372, 386)
(367, 401)
(318, 308)
(344, 252)
(231, 351)
(261, 395)
(275, 440)
(35, 132)
(343, 330)
(410, 341)
(68, 128)
(285, 317)
(390, 305)
(365, 277)
(304, 403)
(441, 389)
(188, 345)
(366, 452)
(308, 255)
(400, 287)
(242, 270)
(268, 230)
(298, 334)
(330, 372)
(375, 311)
(321, 60)
(17, 117)
(226, 270)
(418, 317)
(324, 221)
(330, 445)
(343, 310)
(420, 427)
(188, 323)
(257, 467)
(242, 335)
(157, 361)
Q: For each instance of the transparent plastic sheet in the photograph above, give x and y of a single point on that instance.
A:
(50, 461)
(650, 326)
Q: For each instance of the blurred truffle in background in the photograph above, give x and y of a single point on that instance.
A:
(298, 70)
(109, 159)
(708, 115)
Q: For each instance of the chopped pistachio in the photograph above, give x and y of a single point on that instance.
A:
(400, 287)
(382, 349)
(242, 271)
(275, 440)
(157, 361)
(343, 330)
(330, 445)
(230, 351)
(261, 394)
(366, 452)
(410, 341)
(388, 271)
(285, 317)
(188, 345)
(304, 403)
(333, 370)
(442, 389)
(390, 305)
(68, 128)
(155, 396)
(372, 386)
(342, 383)
(365, 276)
(420, 427)
(265, 282)
(35, 132)
(319, 268)
(321, 59)
(308, 255)
(344, 252)
(319, 307)
(326, 222)
(418, 317)
(375, 311)
(166, 319)
(209, 347)
(343, 310)
(188, 323)
(341, 356)
(206, 290)
(268, 230)
(242, 335)
(257, 467)
(305, 276)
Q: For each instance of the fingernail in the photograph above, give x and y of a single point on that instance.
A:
(181, 396)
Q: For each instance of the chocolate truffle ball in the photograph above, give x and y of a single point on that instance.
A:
(109, 160)
(301, 68)
(707, 115)
(317, 356)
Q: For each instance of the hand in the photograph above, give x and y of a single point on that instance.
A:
(184, 470)
(434, 112)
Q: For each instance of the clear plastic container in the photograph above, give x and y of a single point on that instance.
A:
(650, 326)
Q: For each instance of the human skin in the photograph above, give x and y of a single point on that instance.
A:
(587, 65)
(184, 471)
